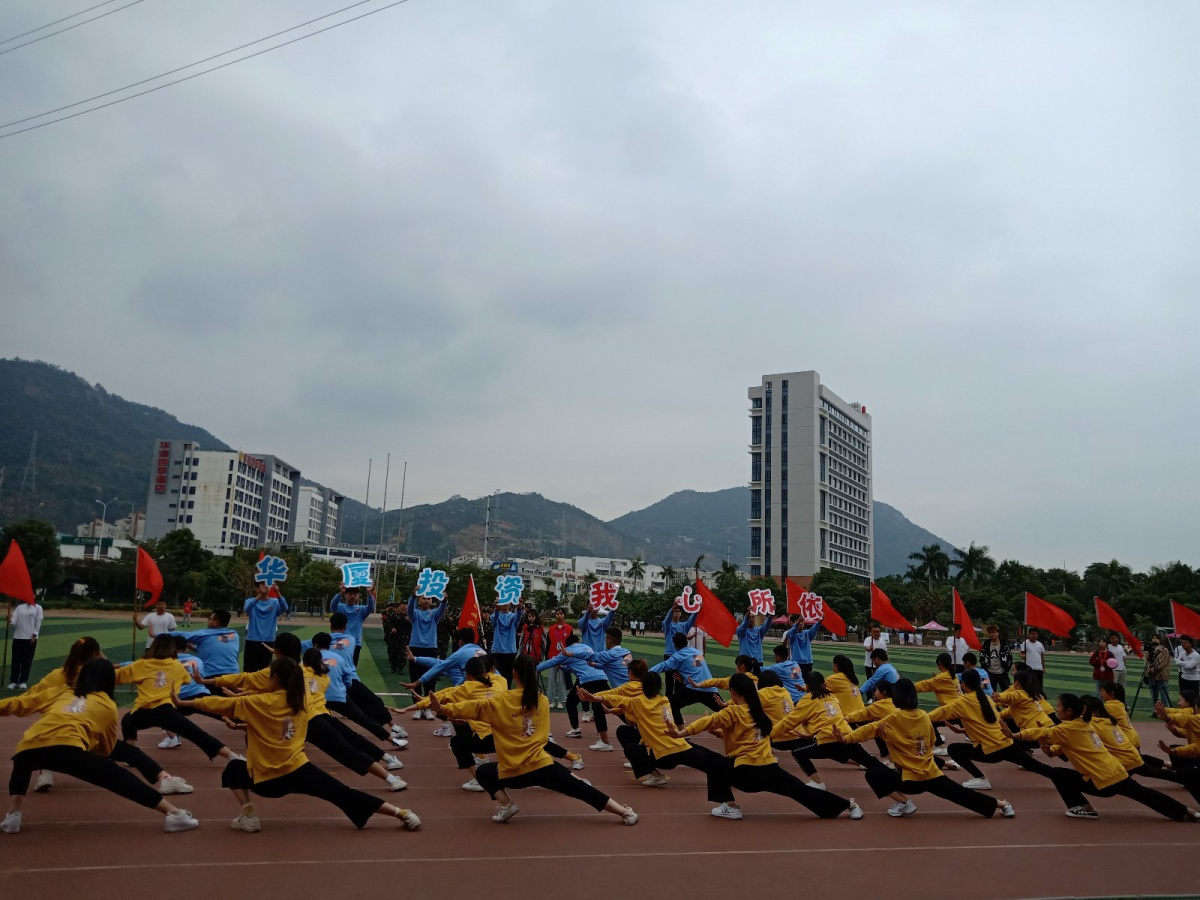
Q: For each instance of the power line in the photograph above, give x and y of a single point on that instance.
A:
(68, 28)
(56, 21)
(190, 65)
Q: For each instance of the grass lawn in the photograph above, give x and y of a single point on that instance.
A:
(1066, 672)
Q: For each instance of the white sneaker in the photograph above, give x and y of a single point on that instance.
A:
(390, 762)
(577, 765)
(12, 685)
(173, 784)
(399, 731)
(855, 810)
(505, 813)
(627, 765)
(410, 820)
(418, 715)
(478, 759)
(45, 781)
(169, 743)
(654, 781)
(444, 731)
(1007, 811)
(396, 783)
(473, 785)
(399, 742)
(429, 715)
(951, 765)
(940, 751)
(902, 809)
(248, 824)
(602, 747)
(725, 811)
(978, 784)
(574, 733)
(819, 785)
(586, 717)
(180, 820)
(24, 687)
(11, 823)
(630, 817)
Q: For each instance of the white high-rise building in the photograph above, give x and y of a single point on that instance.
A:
(315, 517)
(810, 480)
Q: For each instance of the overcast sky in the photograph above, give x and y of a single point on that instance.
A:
(546, 246)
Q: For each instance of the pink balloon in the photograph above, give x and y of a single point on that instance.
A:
(1111, 662)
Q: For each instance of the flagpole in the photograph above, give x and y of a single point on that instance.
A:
(366, 503)
(383, 518)
(399, 525)
(7, 616)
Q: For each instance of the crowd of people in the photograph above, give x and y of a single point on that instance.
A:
(494, 693)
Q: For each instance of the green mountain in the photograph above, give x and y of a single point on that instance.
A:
(91, 445)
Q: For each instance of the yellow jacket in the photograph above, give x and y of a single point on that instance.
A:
(880, 709)
(943, 685)
(822, 718)
(744, 743)
(156, 680)
(520, 735)
(1084, 748)
(1026, 711)
(848, 695)
(981, 732)
(89, 723)
(909, 736)
(776, 702)
(275, 733)
(651, 715)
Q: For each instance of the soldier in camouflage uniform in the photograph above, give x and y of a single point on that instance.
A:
(396, 631)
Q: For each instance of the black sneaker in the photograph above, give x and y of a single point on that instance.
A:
(1082, 812)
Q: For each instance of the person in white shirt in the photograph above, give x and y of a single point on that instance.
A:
(1118, 651)
(876, 640)
(158, 622)
(26, 620)
(1188, 661)
(956, 646)
(1034, 653)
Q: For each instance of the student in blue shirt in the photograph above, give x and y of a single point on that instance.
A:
(971, 661)
(452, 667)
(263, 611)
(685, 665)
(674, 623)
(349, 602)
(423, 642)
(884, 671)
(750, 640)
(505, 622)
(592, 628)
(338, 656)
(789, 672)
(614, 659)
(799, 641)
(217, 645)
(576, 658)
(342, 642)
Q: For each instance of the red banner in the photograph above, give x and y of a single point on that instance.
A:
(1107, 617)
(1040, 614)
(961, 617)
(714, 619)
(884, 613)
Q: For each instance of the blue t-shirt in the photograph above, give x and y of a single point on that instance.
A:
(264, 617)
(592, 628)
(452, 666)
(424, 623)
(886, 672)
(575, 659)
(799, 641)
(791, 676)
(355, 614)
(690, 663)
(217, 649)
(195, 668)
(614, 663)
(750, 637)
(504, 631)
(672, 628)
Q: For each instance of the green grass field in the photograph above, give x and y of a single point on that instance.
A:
(1066, 672)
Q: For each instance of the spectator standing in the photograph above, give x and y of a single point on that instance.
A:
(996, 659)
(559, 679)
(1188, 661)
(1034, 653)
(876, 640)
(1158, 671)
(26, 619)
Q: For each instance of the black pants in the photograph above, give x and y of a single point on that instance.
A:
(1072, 786)
(1039, 676)
(351, 711)
(1000, 682)
(966, 755)
(256, 657)
(170, 719)
(416, 669)
(686, 696)
(756, 667)
(1185, 684)
(79, 763)
(465, 744)
(843, 753)
(884, 781)
(552, 777)
(774, 780)
(573, 704)
(368, 701)
(357, 653)
(308, 779)
(504, 664)
(344, 746)
(131, 756)
(716, 768)
(806, 669)
(1152, 767)
(555, 750)
(22, 660)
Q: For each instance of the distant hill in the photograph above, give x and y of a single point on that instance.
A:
(91, 445)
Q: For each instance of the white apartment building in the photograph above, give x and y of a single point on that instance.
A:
(316, 515)
(810, 480)
(281, 483)
(568, 575)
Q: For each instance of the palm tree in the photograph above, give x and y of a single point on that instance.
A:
(668, 577)
(932, 563)
(1109, 579)
(973, 563)
(699, 560)
(637, 570)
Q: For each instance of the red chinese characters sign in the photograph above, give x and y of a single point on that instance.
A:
(603, 596)
(812, 607)
(161, 465)
(762, 603)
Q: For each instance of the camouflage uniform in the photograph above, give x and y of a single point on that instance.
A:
(396, 631)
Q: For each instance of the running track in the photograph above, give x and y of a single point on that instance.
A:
(79, 840)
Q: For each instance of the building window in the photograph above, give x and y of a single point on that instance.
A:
(823, 540)
(189, 520)
(756, 571)
(756, 430)
(756, 467)
(755, 542)
(756, 403)
(756, 504)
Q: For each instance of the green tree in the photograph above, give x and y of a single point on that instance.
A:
(669, 575)
(973, 564)
(699, 562)
(637, 570)
(178, 553)
(39, 544)
(316, 582)
(932, 565)
(1108, 580)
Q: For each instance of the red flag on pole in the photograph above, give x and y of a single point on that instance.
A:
(961, 617)
(14, 575)
(830, 620)
(1185, 621)
(470, 617)
(714, 619)
(148, 577)
(1107, 617)
(1040, 614)
(884, 613)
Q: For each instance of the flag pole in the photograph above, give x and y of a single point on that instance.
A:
(383, 518)
(8, 607)
(399, 525)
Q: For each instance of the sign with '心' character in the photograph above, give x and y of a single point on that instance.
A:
(689, 601)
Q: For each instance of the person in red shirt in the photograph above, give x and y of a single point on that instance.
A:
(188, 606)
(1100, 670)
(560, 680)
(532, 639)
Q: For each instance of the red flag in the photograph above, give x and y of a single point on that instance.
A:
(14, 575)
(1185, 621)
(714, 619)
(833, 622)
(1040, 614)
(1107, 617)
(470, 616)
(961, 617)
(148, 577)
(830, 620)
(884, 613)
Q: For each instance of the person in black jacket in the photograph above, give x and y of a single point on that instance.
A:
(996, 659)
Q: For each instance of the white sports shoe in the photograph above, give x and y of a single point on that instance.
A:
(1007, 811)
(902, 809)
(473, 785)
(505, 813)
(418, 715)
(410, 820)
(12, 685)
(627, 765)
(978, 784)
(574, 733)
(630, 817)
(940, 751)
(173, 784)
(951, 765)
(601, 746)
(399, 731)
(45, 781)
(11, 823)
(444, 731)
(396, 783)
(654, 781)
(390, 762)
(813, 783)
(586, 717)
(725, 811)
(399, 742)
(248, 824)
(855, 810)
(478, 759)
(429, 715)
(180, 820)
(24, 687)
(169, 743)
(577, 765)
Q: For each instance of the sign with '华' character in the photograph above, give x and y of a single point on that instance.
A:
(270, 570)
(356, 574)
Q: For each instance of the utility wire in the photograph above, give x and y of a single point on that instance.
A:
(190, 65)
(56, 21)
(68, 28)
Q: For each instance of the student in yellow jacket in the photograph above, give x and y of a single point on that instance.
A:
(989, 744)
(945, 688)
(158, 676)
(1023, 703)
(75, 735)
(1184, 721)
(910, 739)
(774, 697)
(818, 716)
(1094, 770)
(520, 722)
(743, 664)
(843, 684)
(746, 730)
(275, 764)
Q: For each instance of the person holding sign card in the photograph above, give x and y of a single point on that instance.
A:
(263, 611)
(423, 642)
(349, 602)
(505, 621)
